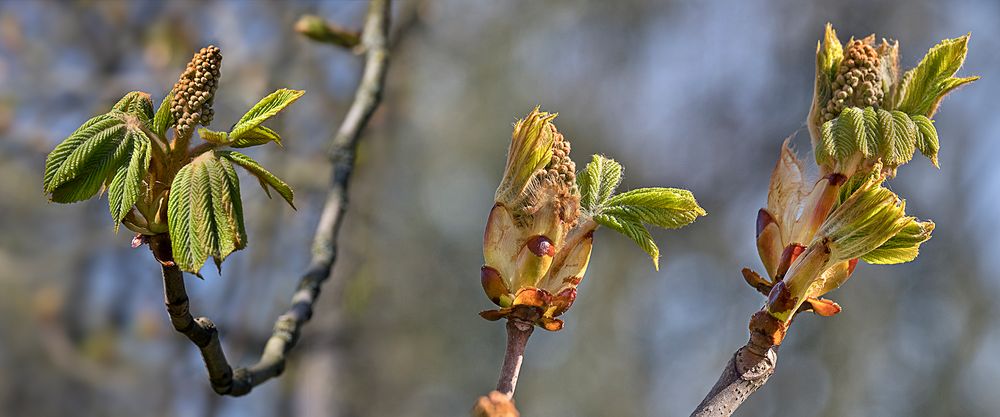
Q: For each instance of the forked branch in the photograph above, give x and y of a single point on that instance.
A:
(287, 328)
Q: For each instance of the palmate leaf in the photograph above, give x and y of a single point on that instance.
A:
(892, 136)
(90, 157)
(204, 213)
(923, 87)
(266, 108)
(628, 212)
(266, 178)
(597, 182)
(669, 208)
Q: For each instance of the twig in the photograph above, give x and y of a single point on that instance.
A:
(748, 370)
(745, 373)
(319, 30)
(288, 326)
(518, 332)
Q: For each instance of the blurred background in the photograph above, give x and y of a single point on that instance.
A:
(692, 94)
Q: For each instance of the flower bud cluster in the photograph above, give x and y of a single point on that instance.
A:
(857, 83)
(195, 90)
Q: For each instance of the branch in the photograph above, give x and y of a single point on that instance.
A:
(745, 373)
(748, 370)
(518, 332)
(288, 326)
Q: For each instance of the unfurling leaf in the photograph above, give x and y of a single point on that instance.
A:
(136, 103)
(266, 178)
(205, 214)
(927, 138)
(871, 216)
(633, 229)
(218, 138)
(899, 137)
(924, 86)
(90, 157)
(597, 182)
(664, 207)
(257, 136)
(904, 246)
(163, 118)
(127, 185)
(841, 136)
(668, 208)
(266, 108)
(530, 151)
(829, 53)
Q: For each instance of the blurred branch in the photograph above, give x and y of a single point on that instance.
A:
(288, 326)
(318, 29)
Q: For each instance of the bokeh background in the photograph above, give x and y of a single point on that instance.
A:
(692, 94)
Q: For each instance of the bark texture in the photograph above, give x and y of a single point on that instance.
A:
(747, 371)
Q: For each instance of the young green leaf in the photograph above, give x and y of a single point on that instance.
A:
(633, 229)
(829, 53)
(136, 103)
(927, 138)
(266, 108)
(904, 246)
(862, 223)
(204, 213)
(163, 118)
(845, 134)
(668, 208)
(924, 86)
(597, 182)
(266, 178)
(126, 186)
(102, 125)
(78, 167)
(257, 136)
(869, 145)
(218, 138)
(899, 137)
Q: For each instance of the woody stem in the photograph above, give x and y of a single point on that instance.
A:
(518, 332)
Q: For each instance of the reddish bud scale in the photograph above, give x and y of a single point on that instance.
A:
(780, 298)
(494, 286)
(788, 256)
(562, 301)
(851, 264)
(763, 220)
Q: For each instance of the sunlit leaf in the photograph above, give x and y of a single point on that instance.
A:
(205, 215)
(266, 178)
(597, 182)
(257, 136)
(266, 108)
(924, 86)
